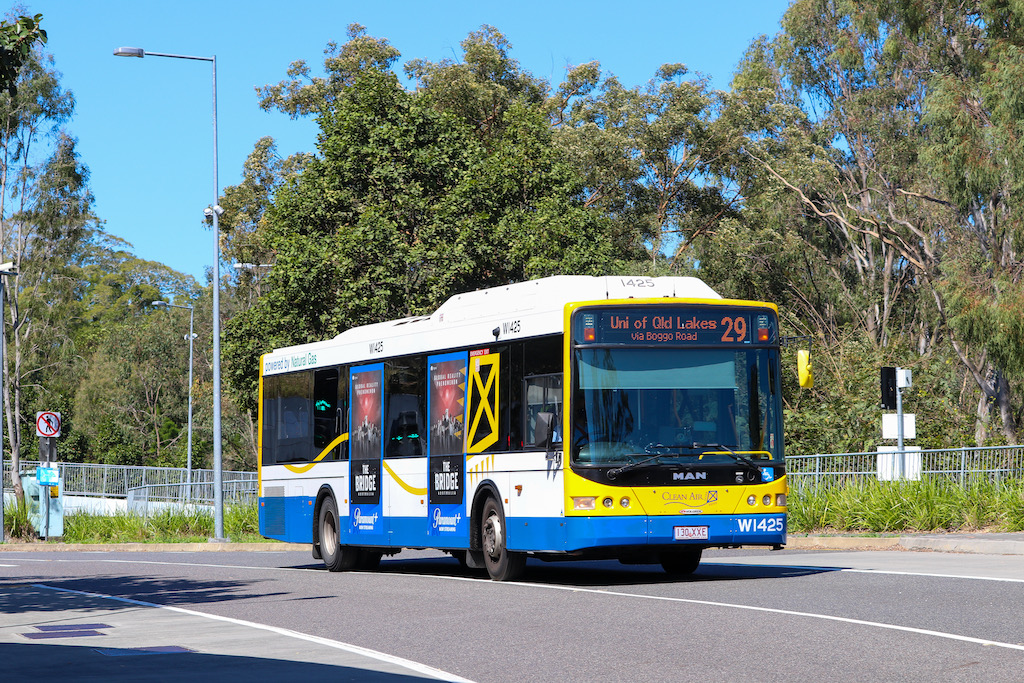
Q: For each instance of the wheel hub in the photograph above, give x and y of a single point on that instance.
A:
(492, 539)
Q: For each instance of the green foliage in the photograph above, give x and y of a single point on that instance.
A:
(648, 157)
(303, 94)
(16, 521)
(16, 41)
(480, 88)
(407, 204)
(932, 504)
(864, 172)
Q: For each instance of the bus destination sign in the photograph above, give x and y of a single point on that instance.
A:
(675, 325)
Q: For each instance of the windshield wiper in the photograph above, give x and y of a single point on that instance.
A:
(733, 454)
(648, 449)
(706, 447)
(616, 471)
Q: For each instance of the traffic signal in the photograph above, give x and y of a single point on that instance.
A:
(888, 388)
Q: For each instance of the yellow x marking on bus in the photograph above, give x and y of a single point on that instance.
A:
(488, 403)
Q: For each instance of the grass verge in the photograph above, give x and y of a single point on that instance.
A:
(170, 525)
(933, 504)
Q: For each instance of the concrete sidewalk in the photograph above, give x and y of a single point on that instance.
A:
(982, 543)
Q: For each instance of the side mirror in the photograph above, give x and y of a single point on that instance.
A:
(804, 368)
(543, 430)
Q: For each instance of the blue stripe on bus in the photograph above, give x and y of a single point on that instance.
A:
(577, 533)
(414, 532)
(288, 519)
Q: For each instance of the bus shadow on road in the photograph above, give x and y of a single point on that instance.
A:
(601, 572)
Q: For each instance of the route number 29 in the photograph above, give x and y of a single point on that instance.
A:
(735, 329)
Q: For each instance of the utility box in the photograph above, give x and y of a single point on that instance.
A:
(44, 498)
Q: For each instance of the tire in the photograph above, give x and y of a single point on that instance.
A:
(336, 557)
(502, 564)
(681, 562)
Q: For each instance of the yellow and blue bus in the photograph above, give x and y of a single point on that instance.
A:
(570, 417)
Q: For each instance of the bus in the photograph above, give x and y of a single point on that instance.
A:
(570, 417)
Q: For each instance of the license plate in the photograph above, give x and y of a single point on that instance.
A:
(688, 533)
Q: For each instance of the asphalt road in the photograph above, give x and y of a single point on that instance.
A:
(744, 616)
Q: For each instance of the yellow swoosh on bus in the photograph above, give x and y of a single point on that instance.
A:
(299, 469)
(411, 489)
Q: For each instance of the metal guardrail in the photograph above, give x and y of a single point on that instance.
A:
(962, 465)
(168, 484)
(236, 491)
(115, 481)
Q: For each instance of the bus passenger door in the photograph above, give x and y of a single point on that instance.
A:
(366, 513)
(447, 513)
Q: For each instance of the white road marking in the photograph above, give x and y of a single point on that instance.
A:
(851, 570)
(338, 645)
(639, 596)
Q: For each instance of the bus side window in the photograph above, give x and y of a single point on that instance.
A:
(542, 385)
(294, 437)
(342, 413)
(325, 412)
(271, 418)
(543, 395)
(514, 414)
(405, 427)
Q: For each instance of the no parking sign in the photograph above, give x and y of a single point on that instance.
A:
(47, 424)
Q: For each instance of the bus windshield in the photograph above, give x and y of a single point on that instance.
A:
(671, 405)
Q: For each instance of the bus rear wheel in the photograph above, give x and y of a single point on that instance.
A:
(336, 557)
(502, 564)
(681, 562)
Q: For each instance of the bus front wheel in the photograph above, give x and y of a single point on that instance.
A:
(336, 557)
(502, 564)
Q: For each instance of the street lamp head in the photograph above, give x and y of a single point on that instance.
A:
(160, 303)
(129, 52)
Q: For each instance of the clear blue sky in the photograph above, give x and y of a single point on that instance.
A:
(144, 126)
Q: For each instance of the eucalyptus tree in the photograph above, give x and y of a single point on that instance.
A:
(902, 161)
(482, 86)
(45, 216)
(650, 157)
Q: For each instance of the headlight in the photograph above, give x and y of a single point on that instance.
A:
(780, 500)
(584, 503)
(608, 502)
(751, 500)
(624, 502)
(766, 501)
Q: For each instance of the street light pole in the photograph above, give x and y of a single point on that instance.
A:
(191, 337)
(5, 270)
(214, 210)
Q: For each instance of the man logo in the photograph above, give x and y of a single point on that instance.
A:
(688, 476)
